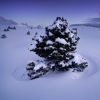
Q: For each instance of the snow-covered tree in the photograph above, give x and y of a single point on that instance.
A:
(28, 33)
(58, 48)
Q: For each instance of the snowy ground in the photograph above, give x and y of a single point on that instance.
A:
(14, 55)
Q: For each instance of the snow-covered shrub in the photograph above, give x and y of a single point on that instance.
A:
(3, 36)
(58, 48)
(28, 33)
(9, 27)
(74, 29)
(14, 28)
(5, 30)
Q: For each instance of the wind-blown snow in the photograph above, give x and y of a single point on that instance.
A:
(14, 55)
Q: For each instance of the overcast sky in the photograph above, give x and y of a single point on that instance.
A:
(44, 12)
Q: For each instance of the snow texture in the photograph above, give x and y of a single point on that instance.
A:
(60, 40)
(14, 54)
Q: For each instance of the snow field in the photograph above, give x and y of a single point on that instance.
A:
(14, 55)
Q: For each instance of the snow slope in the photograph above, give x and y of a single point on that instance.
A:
(14, 55)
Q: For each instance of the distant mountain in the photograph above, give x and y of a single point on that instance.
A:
(4, 21)
(76, 25)
(87, 24)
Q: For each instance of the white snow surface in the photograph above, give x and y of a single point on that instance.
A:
(14, 55)
(49, 42)
(61, 40)
(67, 30)
(77, 58)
